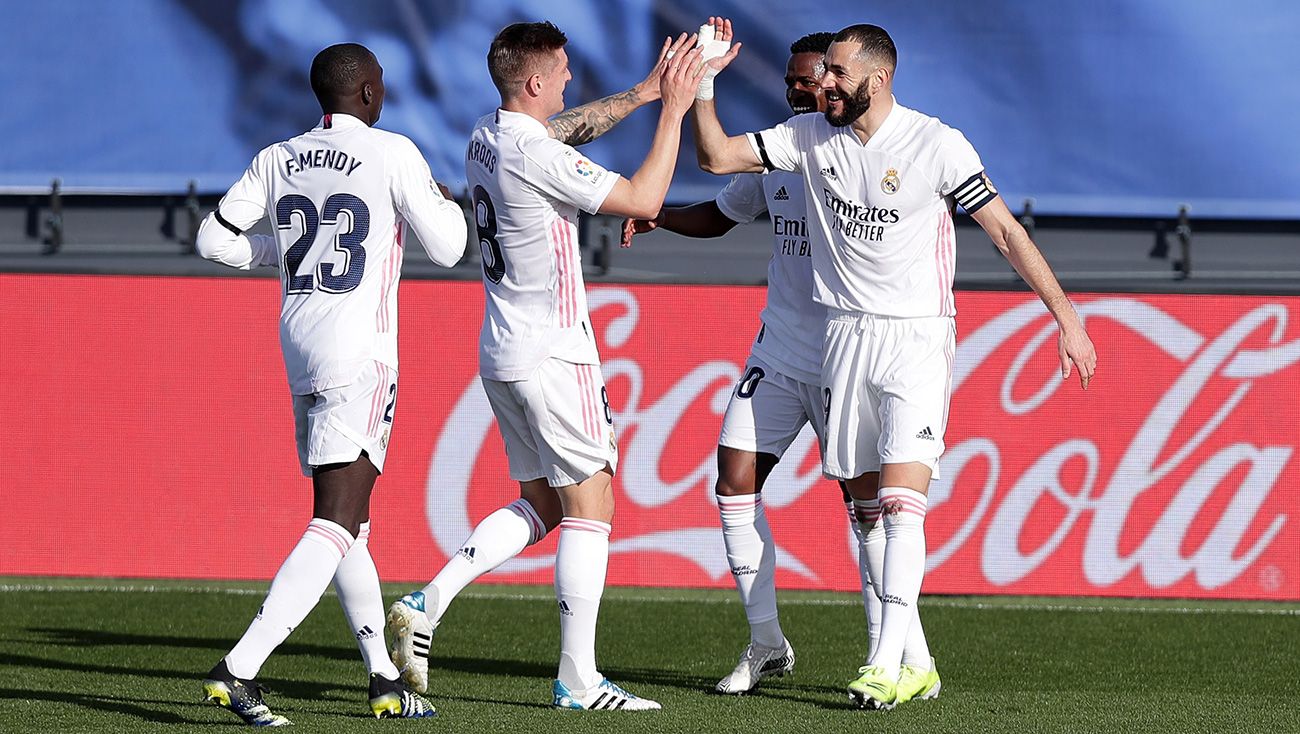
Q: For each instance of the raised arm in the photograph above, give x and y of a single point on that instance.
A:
(717, 152)
(587, 122)
(1073, 345)
(642, 195)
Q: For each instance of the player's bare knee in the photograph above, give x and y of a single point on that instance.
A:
(545, 502)
(736, 471)
(863, 487)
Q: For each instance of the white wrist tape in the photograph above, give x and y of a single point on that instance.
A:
(713, 49)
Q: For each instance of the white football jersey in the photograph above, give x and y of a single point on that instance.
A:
(880, 213)
(528, 189)
(793, 323)
(340, 196)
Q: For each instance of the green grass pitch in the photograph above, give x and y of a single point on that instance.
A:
(127, 656)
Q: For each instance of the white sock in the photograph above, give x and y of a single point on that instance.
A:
(498, 538)
(580, 562)
(902, 512)
(357, 582)
(751, 553)
(916, 651)
(863, 514)
(295, 590)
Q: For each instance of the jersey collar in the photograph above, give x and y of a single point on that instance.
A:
(891, 121)
(520, 121)
(336, 120)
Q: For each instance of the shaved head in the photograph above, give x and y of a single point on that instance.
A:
(348, 79)
(339, 71)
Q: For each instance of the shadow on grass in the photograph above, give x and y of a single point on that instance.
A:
(533, 669)
(295, 689)
(73, 637)
(139, 708)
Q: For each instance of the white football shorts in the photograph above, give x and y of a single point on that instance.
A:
(556, 424)
(334, 426)
(767, 410)
(886, 385)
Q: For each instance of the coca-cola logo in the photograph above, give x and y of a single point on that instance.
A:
(1102, 487)
(1145, 462)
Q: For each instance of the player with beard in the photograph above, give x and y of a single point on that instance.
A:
(779, 391)
(883, 182)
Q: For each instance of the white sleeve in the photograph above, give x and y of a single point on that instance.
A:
(221, 237)
(743, 199)
(437, 221)
(777, 147)
(565, 174)
(961, 174)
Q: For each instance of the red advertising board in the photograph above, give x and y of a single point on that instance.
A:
(148, 433)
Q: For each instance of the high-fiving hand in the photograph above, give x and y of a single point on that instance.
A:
(682, 75)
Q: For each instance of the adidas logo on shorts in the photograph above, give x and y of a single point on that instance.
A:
(926, 434)
(781, 195)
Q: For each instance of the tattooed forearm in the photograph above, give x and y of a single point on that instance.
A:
(586, 123)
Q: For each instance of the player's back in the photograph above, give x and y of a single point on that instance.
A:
(329, 193)
(528, 190)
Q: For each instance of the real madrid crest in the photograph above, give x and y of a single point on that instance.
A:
(890, 183)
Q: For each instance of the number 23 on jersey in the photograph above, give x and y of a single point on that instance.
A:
(340, 210)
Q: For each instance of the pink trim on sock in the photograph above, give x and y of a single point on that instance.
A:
(585, 525)
(524, 509)
(331, 536)
(892, 504)
(364, 533)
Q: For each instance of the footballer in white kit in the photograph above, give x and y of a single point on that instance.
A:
(882, 182)
(340, 197)
(537, 350)
(779, 391)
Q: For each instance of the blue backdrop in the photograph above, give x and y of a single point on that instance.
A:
(1099, 107)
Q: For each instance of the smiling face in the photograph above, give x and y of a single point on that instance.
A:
(848, 83)
(803, 90)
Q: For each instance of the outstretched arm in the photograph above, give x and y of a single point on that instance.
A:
(1074, 347)
(587, 122)
(716, 151)
(704, 219)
